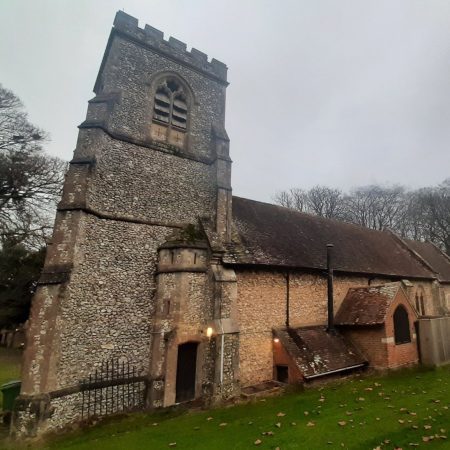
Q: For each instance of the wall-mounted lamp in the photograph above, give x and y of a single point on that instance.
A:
(276, 340)
(209, 332)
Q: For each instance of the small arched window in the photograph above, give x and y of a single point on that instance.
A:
(401, 325)
(170, 113)
(420, 302)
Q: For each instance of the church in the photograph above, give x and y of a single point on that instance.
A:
(160, 287)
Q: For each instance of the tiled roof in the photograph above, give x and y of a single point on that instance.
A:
(271, 235)
(317, 352)
(366, 305)
(435, 257)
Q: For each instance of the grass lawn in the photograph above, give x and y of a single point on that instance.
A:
(405, 409)
(10, 360)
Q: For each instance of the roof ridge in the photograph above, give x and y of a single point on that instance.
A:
(372, 286)
(414, 253)
(314, 216)
(447, 257)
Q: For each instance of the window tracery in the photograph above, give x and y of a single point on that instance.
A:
(170, 113)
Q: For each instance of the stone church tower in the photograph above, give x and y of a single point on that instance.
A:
(133, 270)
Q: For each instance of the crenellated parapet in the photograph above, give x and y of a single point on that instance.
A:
(171, 48)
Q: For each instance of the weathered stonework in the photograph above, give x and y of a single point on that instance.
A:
(307, 307)
(150, 267)
(108, 291)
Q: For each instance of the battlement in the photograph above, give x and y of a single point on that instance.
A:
(172, 47)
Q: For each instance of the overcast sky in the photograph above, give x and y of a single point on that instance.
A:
(336, 92)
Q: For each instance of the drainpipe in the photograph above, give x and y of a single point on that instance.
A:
(330, 327)
(221, 353)
(287, 298)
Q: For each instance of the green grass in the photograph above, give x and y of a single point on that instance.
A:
(10, 360)
(390, 411)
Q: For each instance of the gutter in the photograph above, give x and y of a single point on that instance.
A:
(357, 366)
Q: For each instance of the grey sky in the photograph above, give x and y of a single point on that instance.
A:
(337, 92)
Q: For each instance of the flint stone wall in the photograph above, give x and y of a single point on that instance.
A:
(144, 184)
(131, 70)
(112, 296)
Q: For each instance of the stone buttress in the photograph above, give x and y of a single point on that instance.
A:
(133, 273)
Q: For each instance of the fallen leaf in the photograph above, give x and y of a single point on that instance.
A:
(293, 424)
(209, 418)
(223, 424)
(425, 438)
(427, 427)
(342, 423)
(154, 424)
(361, 399)
(278, 425)
(173, 444)
(401, 421)
(258, 442)
(306, 413)
(281, 414)
(310, 424)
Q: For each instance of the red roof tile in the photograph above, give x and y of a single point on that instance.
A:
(366, 305)
(317, 352)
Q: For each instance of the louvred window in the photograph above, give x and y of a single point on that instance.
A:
(170, 106)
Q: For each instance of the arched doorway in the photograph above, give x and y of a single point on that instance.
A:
(186, 371)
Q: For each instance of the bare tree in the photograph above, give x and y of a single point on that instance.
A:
(434, 219)
(422, 214)
(325, 202)
(319, 200)
(376, 207)
(294, 198)
(30, 180)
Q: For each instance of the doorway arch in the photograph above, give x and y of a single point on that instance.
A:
(186, 372)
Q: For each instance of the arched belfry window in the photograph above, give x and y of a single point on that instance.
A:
(170, 113)
(402, 333)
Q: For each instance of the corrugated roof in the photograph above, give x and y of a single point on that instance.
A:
(366, 305)
(436, 258)
(266, 234)
(317, 352)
